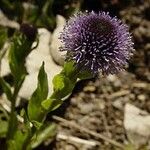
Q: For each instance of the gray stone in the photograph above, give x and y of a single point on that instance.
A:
(57, 55)
(4, 21)
(137, 125)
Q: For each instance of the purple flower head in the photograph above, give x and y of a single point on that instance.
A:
(97, 42)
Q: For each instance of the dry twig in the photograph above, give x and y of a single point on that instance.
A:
(119, 94)
(76, 139)
(82, 129)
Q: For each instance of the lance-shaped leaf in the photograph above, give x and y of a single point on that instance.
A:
(19, 49)
(51, 104)
(36, 112)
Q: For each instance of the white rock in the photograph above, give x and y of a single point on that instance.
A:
(112, 78)
(34, 62)
(137, 125)
(29, 85)
(4, 21)
(141, 97)
(56, 43)
(5, 69)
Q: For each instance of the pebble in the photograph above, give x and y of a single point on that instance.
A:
(111, 78)
(137, 125)
(86, 108)
(141, 97)
(117, 83)
(56, 54)
(89, 88)
(70, 147)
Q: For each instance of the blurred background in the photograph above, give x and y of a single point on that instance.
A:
(116, 106)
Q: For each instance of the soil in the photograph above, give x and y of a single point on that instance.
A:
(98, 105)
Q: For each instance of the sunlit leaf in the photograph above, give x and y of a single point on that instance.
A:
(51, 104)
(58, 82)
(62, 85)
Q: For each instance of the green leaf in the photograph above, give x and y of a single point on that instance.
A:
(58, 82)
(11, 145)
(27, 123)
(19, 49)
(47, 133)
(26, 144)
(69, 69)
(37, 124)
(6, 88)
(13, 60)
(3, 128)
(18, 141)
(51, 104)
(3, 37)
(15, 137)
(16, 65)
(35, 110)
(62, 85)
(85, 75)
(71, 72)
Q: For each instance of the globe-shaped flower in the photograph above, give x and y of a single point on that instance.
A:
(97, 42)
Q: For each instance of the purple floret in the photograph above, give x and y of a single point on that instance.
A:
(97, 42)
